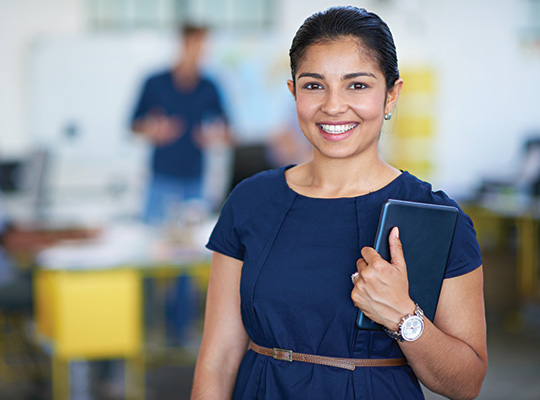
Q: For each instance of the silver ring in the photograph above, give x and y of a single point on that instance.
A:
(354, 276)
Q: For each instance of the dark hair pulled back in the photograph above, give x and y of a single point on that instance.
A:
(339, 22)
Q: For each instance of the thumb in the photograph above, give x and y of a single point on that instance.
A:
(396, 250)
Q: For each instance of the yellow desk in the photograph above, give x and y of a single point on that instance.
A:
(492, 225)
(90, 315)
(97, 313)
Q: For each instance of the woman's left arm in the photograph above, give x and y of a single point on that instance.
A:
(450, 357)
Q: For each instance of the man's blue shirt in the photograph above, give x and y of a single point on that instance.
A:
(183, 157)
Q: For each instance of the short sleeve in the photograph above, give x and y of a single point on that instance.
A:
(145, 102)
(225, 237)
(464, 254)
(215, 103)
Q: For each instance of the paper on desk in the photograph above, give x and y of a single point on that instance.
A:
(124, 246)
(116, 246)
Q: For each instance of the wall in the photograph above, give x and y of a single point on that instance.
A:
(21, 22)
(487, 88)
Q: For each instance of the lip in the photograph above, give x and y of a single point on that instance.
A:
(336, 137)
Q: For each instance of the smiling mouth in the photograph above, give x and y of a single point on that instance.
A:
(337, 129)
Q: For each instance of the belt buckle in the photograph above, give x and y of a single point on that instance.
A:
(284, 355)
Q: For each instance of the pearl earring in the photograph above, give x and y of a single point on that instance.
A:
(387, 116)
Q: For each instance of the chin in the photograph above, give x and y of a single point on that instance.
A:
(345, 153)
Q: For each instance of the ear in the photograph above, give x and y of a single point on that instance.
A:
(290, 85)
(393, 95)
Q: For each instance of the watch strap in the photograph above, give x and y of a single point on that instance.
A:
(397, 335)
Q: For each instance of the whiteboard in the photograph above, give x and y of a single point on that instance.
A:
(84, 89)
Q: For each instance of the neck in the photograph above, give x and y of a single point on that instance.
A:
(333, 178)
(186, 75)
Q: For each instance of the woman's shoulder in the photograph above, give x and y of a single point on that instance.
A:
(262, 182)
(259, 189)
(416, 189)
(465, 252)
(263, 194)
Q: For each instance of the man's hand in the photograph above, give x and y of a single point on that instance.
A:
(160, 129)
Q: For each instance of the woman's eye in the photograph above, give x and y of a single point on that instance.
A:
(358, 85)
(312, 86)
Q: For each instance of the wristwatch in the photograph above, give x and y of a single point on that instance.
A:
(410, 327)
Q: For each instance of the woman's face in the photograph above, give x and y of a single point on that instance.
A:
(341, 99)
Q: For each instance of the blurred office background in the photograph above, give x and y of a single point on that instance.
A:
(74, 175)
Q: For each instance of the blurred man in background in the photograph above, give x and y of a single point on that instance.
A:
(180, 113)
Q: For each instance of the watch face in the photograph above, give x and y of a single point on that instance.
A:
(412, 328)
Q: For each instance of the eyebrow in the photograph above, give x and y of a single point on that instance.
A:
(310, 75)
(352, 75)
(358, 74)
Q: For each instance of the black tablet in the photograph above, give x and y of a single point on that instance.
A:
(426, 232)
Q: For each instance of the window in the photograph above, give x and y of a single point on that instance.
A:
(530, 26)
(228, 14)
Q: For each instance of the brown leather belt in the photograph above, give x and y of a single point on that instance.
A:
(347, 363)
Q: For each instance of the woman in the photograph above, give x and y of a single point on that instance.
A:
(288, 240)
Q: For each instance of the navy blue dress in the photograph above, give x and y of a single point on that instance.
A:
(298, 254)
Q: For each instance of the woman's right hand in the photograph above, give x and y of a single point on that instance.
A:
(381, 288)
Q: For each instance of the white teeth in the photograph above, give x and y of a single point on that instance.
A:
(336, 129)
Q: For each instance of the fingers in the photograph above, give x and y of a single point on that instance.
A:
(165, 130)
(361, 264)
(381, 287)
(354, 276)
(396, 249)
(369, 254)
(370, 257)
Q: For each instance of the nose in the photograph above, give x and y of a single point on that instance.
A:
(334, 103)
